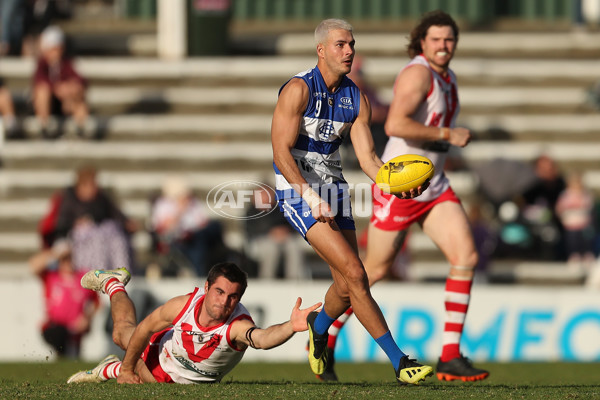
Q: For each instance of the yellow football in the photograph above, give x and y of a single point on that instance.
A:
(402, 173)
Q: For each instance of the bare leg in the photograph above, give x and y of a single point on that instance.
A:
(122, 311)
(447, 225)
(382, 248)
(350, 284)
(41, 102)
(124, 323)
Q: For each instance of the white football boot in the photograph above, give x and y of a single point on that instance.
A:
(95, 280)
(93, 375)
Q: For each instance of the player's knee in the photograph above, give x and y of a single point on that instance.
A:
(122, 333)
(468, 260)
(472, 259)
(356, 275)
(117, 338)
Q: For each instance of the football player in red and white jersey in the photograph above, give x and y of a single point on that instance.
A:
(421, 120)
(194, 338)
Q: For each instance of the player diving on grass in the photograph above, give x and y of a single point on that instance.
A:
(316, 109)
(195, 338)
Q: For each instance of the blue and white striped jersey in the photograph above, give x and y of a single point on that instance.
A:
(326, 121)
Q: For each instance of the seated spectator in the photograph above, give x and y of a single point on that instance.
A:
(97, 227)
(575, 207)
(183, 228)
(515, 239)
(271, 240)
(69, 307)
(7, 111)
(539, 209)
(58, 89)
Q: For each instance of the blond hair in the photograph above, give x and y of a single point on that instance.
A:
(329, 25)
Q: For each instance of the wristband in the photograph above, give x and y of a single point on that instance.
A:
(312, 198)
(444, 133)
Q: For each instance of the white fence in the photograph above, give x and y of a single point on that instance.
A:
(505, 323)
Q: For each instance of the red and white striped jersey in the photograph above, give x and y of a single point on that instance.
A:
(190, 353)
(440, 108)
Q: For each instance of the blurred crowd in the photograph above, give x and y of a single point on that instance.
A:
(57, 93)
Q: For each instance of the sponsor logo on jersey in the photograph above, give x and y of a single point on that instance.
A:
(327, 129)
(347, 101)
(185, 363)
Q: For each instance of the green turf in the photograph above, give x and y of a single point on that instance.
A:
(294, 381)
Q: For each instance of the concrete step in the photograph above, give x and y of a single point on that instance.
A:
(488, 44)
(173, 129)
(239, 155)
(24, 194)
(115, 100)
(217, 71)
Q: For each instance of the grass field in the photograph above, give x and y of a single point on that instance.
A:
(294, 381)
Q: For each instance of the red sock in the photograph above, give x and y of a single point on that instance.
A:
(334, 329)
(457, 295)
(112, 286)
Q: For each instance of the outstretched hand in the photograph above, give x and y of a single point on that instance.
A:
(298, 318)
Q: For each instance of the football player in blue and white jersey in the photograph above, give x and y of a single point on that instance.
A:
(316, 109)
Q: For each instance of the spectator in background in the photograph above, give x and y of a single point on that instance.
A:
(574, 208)
(183, 227)
(484, 237)
(539, 208)
(69, 307)
(7, 111)
(58, 89)
(13, 24)
(271, 239)
(98, 228)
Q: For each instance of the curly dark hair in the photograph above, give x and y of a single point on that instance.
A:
(230, 271)
(432, 18)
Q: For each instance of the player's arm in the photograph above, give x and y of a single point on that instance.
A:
(364, 147)
(410, 91)
(285, 129)
(158, 320)
(362, 140)
(245, 333)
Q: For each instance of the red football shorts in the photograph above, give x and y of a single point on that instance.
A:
(150, 357)
(393, 214)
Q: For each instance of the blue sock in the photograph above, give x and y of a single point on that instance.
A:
(323, 322)
(389, 346)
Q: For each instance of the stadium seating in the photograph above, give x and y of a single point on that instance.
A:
(205, 114)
